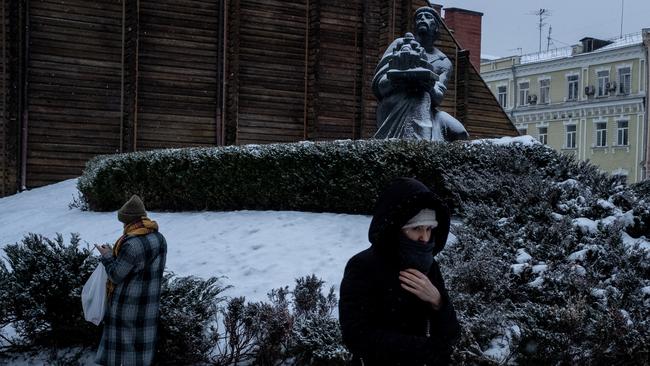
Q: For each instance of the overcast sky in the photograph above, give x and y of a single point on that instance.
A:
(508, 24)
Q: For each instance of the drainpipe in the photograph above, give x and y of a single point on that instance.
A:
(224, 74)
(5, 174)
(646, 45)
(515, 88)
(24, 105)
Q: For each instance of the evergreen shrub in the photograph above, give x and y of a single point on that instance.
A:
(40, 282)
(339, 176)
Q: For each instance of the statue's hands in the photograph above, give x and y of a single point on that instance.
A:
(437, 93)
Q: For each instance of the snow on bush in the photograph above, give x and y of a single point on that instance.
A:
(551, 272)
(549, 263)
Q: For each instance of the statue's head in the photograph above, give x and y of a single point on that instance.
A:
(427, 22)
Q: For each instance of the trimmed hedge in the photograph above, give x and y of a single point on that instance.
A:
(340, 176)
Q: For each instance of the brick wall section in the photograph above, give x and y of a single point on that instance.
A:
(466, 27)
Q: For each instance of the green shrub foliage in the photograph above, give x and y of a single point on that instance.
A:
(544, 266)
(554, 276)
(340, 176)
(189, 310)
(40, 282)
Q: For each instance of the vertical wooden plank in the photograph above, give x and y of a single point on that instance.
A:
(306, 68)
(24, 80)
(10, 121)
(4, 118)
(178, 71)
(232, 106)
(3, 109)
(313, 65)
(72, 101)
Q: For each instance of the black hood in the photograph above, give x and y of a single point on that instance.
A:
(397, 204)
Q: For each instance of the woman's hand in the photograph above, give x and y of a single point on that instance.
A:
(419, 284)
(104, 249)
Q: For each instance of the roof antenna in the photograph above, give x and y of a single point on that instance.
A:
(542, 14)
(622, 6)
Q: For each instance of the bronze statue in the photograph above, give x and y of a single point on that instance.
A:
(410, 83)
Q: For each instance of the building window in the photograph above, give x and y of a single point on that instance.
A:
(522, 131)
(572, 93)
(601, 134)
(545, 91)
(603, 80)
(543, 135)
(523, 93)
(570, 136)
(624, 80)
(502, 93)
(622, 133)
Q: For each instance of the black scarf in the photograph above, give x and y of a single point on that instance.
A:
(414, 254)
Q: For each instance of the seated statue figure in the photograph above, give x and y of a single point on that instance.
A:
(410, 83)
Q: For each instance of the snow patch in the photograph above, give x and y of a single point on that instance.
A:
(540, 268)
(518, 268)
(500, 347)
(537, 282)
(605, 204)
(626, 317)
(523, 256)
(645, 290)
(586, 225)
(579, 270)
(522, 140)
(631, 243)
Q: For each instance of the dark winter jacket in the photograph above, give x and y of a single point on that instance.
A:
(383, 324)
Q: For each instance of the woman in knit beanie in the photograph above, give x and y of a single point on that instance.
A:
(135, 268)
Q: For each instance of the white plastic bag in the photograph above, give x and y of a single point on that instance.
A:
(93, 296)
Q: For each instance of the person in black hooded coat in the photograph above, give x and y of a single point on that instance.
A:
(384, 319)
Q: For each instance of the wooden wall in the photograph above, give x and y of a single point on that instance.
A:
(268, 59)
(178, 67)
(7, 153)
(73, 86)
(101, 77)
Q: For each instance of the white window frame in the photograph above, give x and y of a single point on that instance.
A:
(621, 83)
(602, 80)
(504, 95)
(542, 137)
(545, 91)
(576, 90)
(622, 133)
(570, 136)
(523, 93)
(600, 133)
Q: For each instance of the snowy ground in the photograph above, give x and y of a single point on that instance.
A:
(256, 250)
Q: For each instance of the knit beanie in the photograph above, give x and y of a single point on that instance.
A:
(426, 217)
(132, 210)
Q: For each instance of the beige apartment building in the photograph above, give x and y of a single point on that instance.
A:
(589, 100)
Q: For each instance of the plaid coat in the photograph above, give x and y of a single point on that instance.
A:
(131, 320)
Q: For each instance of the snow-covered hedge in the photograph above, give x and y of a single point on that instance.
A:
(552, 272)
(339, 176)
